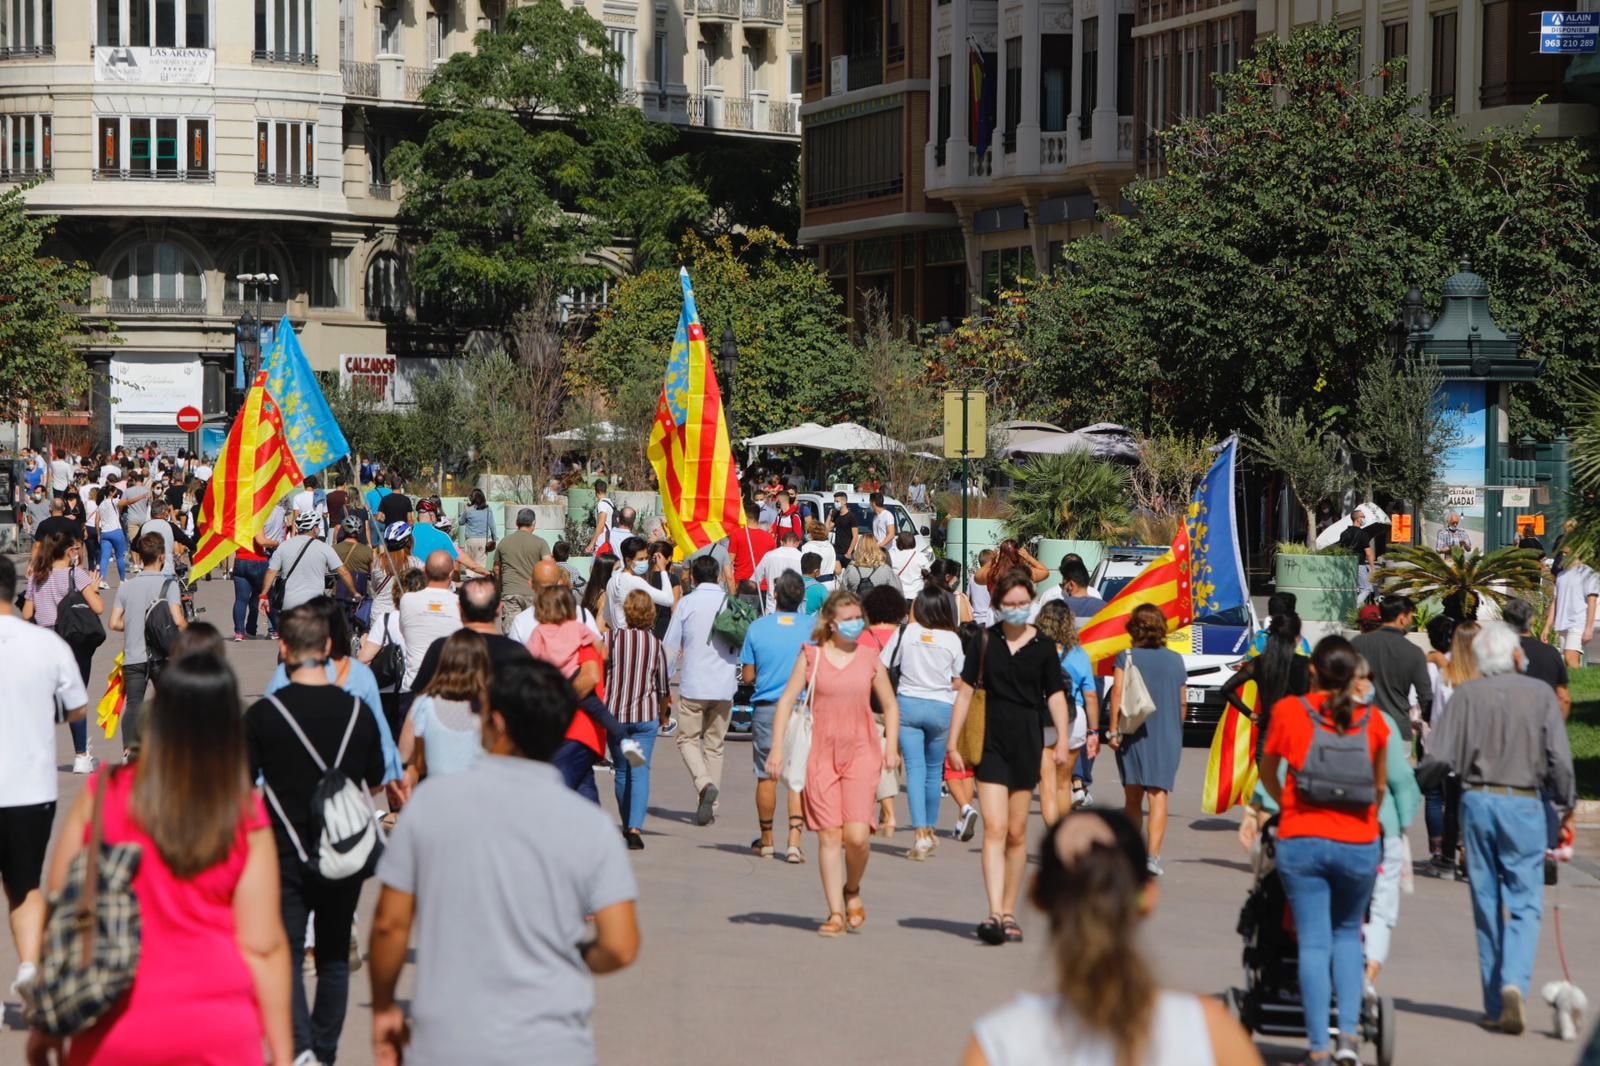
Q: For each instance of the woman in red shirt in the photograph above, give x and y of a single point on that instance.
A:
(1328, 838)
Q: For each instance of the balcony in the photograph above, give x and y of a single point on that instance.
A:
(360, 79)
(304, 181)
(417, 79)
(717, 10)
(980, 166)
(27, 51)
(762, 12)
(864, 71)
(124, 174)
(25, 174)
(749, 114)
(266, 310)
(155, 307)
(783, 117)
(294, 59)
(380, 190)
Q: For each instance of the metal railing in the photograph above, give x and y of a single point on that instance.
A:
(27, 174)
(268, 308)
(714, 111)
(380, 190)
(28, 51)
(155, 307)
(360, 79)
(762, 11)
(717, 9)
(269, 177)
(124, 174)
(738, 113)
(863, 71)
(298, 59)
(783, 117)
(417, 79)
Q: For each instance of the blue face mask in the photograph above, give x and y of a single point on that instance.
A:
(641, 567)
(1017, 616)
(852, 629)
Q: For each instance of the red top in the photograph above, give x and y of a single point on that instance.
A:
(1289, 737)
(747, 547)
(586, 730)
(789, 520)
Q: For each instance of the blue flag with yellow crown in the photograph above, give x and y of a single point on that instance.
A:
(309, 427)
(1215, 566)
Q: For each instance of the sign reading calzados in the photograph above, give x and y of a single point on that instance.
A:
(155, 66)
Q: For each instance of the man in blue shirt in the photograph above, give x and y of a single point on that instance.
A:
(816, 591)
(373, 494)
(427, 538)
(771, 647)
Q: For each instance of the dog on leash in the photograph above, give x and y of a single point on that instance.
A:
(1570, 1004)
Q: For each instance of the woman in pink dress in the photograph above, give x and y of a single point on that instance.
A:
(840, 797)
(212, 985)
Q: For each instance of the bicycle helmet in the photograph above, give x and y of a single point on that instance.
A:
(307, 523)
(352, 524)
(395, 537)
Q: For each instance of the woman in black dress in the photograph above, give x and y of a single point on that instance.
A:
(1016, 666)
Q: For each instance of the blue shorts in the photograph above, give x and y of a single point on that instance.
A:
(761, 716)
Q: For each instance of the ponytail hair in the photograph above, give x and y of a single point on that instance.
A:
(1092, 874)
(1335, 662)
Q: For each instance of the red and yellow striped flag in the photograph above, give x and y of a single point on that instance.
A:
(108, 713)
(1231, 771)
(689, 448)
(1164, 583)
(254, 470)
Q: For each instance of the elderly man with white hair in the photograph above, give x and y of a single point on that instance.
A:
(1451, 535)
(1505, 738)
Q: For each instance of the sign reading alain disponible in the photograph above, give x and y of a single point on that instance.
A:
(155, 66)
(1569, 32)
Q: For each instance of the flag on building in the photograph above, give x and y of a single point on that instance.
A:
(689, 446)
(108, 713)
(981, 98)
(1231, 770)
(283, 433)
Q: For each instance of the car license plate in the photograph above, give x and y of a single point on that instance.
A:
(1194, 695)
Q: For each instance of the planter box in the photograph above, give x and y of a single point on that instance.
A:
(1051, 552)
(580, 505)
(499, 488)
(981, 533)
(1324, 585)
(550, 521)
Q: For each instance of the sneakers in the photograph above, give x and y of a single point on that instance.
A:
(669, 727)
(634, 838)
(633, 751)
(1511, 1014)
(238, 638)
(22, 987)
(104, 585)
(706, 813)
(84, 764)
(1081, 798)
(1348, 1050)
(920, 851)
(966, 825)
(1153, 864)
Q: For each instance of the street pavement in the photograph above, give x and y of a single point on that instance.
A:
(732, 972)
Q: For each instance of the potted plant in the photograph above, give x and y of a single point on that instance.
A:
(1072, 503)
(1462, 580)
(1323, 581)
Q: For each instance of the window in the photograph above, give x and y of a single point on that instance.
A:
(26, 28)
(1055, 81)
(943, 130)
(437, 28)
(152, 23)
(286, 153)
(1125, 65)
(812, 17)
(661, 70)
(327, 278)
(389, 30)
(160, 273)
(897, 45)
(385, 288)
(379, 145)
(160, 148)
(1089, 93)
(1225, 58)
(751, 71)
(706, 57)
(863, 38)
(856, 158)
(25, 147)
(1442, 88)
(1396, 43)
(283, 32)
(796, 72)
(622, 41)
(1013, 92)
(1193, 96)
(1157, 93)
(1002, 267)
(256, 260)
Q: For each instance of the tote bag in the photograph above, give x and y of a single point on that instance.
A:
(797, 735)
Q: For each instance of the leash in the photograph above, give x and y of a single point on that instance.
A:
(1561, 951)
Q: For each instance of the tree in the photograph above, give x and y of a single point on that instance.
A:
(41, 368)
(1274, 251)
(509, 406)
(1403, 429)
(1162, 483)
(1074, 496)
(1303, 452)
(900, 402)
(530, 166)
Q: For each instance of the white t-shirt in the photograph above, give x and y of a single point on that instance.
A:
(40, 671)
(823, 549)
(1035, 1030)
(929, 661)
(605, 513)
(883, 526)
(425, 616)
(60, 474)
(305, 502)
(202, 472)
(623, 582)
(978, 595)
(110, 470)
(1574, 586)
(615, 536)
(380, 586)
(771, 567)
(109, 518)
(908, 565)
(523, 625)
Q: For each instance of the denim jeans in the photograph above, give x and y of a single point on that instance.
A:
(80, 727)
(248, 577)
(576, 763)
(1328, 884)
(924, 732)
(1505, 838)
(135, 681)
(302, 892)
(633, 782)
(1384, 913)
(113, 546)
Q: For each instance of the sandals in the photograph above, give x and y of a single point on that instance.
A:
(855, 911)
(1010, 929)
(766, 851)
(831, 928)
(990, 931)
(795, 856)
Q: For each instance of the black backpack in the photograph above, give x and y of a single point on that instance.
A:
(160, 628)
(76, 622)
(389, 665)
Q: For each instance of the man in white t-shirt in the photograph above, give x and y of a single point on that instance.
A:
(605, 513)
(547, 573)
(883, 530)
(39, 674)
(1572, 610)
(428, 614)
(60, 475)
(201, 471)
(306, 502)
(786, 556)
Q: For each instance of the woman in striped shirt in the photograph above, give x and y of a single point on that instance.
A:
(636, 689)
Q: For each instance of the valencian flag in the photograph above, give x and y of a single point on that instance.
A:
(689, 447)
(1231, 771)
(283, 434)
(109, 711)
(981, 97)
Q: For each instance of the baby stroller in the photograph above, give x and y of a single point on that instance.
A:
(1269, 1003)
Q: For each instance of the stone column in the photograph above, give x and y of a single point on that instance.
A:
(1105, 111)
(1026, 160)
(955, 156)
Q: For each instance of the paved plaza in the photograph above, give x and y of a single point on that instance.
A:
(732, 972)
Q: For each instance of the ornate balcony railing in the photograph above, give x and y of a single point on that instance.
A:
(155, 307)
(360, 79)
(718, 9)
(296, 59)
(124, 174)
(307, 181)
(783, 117)
(417, 79)
(269, 309)
(770, 11)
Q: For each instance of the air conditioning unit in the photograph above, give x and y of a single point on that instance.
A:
(838, 75)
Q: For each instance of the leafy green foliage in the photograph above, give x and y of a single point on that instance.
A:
(531, 165)
(1584, 541)
(1306, 456)
(1072, 497)
(1403, 429)
(1272, 255)
(40, 367)
(1464, 577)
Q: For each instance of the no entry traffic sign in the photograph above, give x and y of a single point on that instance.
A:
(189, 419)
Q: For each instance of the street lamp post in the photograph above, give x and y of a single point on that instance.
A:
(728, 355)
(250, 324)
(943, 330)
(1404, 332)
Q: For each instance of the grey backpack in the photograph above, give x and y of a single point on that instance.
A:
(1337, 771)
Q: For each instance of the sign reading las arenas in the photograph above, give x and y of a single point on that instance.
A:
(155, 66)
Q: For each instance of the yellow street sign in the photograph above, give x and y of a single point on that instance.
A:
(965, 410)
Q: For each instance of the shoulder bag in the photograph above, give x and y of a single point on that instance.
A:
(797, 734)
(275, 593)
(91, 937)
(76, 622)
(1136, 703)
(732, 622)
(970, 743)
(389, 665)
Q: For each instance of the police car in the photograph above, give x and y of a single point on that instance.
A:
(1211, 646)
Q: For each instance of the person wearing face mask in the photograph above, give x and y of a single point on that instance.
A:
(634, 572)
(1017, 668)
(842, 771)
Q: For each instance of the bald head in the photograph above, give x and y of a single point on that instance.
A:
(547, 573)
(438, 567)
(480, 604)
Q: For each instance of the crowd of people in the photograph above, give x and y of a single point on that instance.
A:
(434, 685)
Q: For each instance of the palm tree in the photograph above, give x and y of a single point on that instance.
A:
(1072, 497)
(1461, 579)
